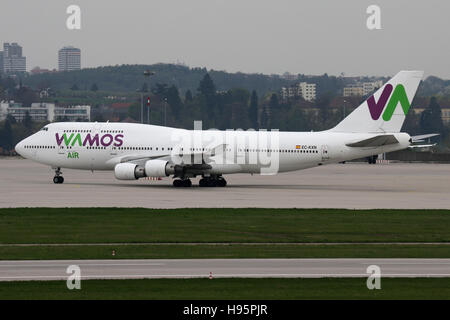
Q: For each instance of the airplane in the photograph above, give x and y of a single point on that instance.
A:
(136, 151)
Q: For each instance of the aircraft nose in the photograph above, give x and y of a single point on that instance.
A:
(20, 147)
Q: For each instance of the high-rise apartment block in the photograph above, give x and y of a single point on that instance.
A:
(69, 59)
(11, 59)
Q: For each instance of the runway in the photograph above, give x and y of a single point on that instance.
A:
(222, 268)
(24, 183)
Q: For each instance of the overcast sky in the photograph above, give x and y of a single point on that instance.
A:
(262, 36)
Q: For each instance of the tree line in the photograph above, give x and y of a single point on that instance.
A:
(226, 109)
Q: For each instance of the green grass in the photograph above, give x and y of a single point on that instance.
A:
(231, 289)
(229, 226)
(223, 251)
(106, 225)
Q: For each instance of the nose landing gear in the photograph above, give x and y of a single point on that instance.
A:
(58, 178)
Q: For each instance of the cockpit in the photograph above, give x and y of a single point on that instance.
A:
(44, 128)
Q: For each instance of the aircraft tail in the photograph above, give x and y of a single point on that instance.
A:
(386, 109)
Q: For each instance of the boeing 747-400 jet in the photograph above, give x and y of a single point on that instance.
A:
(135, 151)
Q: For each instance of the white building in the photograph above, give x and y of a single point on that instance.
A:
(303, 89)
(362, 89)
(44, 111)
(289, 76)
(369, 87)
(69, 59)
(307, 91)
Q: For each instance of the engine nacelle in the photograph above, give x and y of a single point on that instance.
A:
(128, 171)
(157, 168)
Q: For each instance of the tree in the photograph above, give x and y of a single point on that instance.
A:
(188, 96)
(412, 123)
(264, 117)
(74, 88)
(273, 104)
(11, 119)
(207, 100)
(207, 87)
(253, 110)
(431, 118)
(7, 135)
(160, 90)
(94, 87)
(173, 98)
(27, 121)
(134, 111)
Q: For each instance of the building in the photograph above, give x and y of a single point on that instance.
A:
(37, 70)
(1, 62)
(369, 87)
(362, 89)
(69, 59)
(353, 90)
(303, 89)
(43, 111)
(445, 115)
(288, 76)
(307, 91)
(13, 61)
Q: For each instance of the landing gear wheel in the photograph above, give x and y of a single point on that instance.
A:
(187, 183)
(177, 183)
(212, 182)
(221, 182)
(58, 179)
(182, 183)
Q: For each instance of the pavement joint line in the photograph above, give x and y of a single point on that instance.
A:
(82, 265)
(238, 275)
(218, 244)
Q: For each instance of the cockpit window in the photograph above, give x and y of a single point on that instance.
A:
(44, 129)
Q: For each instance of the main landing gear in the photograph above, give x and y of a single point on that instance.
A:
(58, 178)
(212, 182)
(182, 183)
(372, 159)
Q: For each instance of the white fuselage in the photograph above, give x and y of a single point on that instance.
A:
(101, 146)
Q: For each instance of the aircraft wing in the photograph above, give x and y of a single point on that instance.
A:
(187, 157)
(380, 140)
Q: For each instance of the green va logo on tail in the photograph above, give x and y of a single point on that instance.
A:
(398, 95)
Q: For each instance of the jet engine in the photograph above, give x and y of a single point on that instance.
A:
(158, 168)
(152, 168)
(128, 171)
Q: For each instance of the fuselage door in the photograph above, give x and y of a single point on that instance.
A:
(325, 153)
(61, 149)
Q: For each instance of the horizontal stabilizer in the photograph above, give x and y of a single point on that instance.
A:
(422, 137)
(376, 141)
(422, 146)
